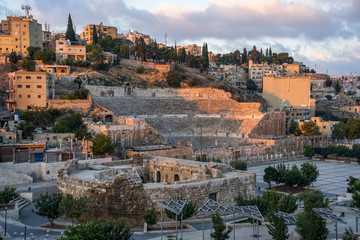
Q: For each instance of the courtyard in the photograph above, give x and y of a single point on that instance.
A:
(331, 180)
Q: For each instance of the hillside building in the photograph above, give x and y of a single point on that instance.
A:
(28, 89)
(19, 33)
(101, 30)
(65, 49)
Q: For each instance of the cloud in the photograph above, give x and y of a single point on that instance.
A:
(311, 30)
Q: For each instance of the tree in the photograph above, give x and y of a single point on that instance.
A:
(73, 208)
(31, 52)
(294, 128)
(309, 151)
(352, 129)
(99, 230)
(293, 177)
(96, 53)
(13, 57)
(338, 131)
(277, 228)
(310, 172)
(313, 198)
(281, 171)
(205, 57)
(140, 48)
(288, 204)
(48, 206)
(125, 51)
(356, 194)
(95, 36)
(310, 226)
(349, 234)
(150, 217)
(41, 116)
(7, 195)
(28, 65)
(220, 232)
(328, 97)
(188, 211)
(244, 56)
(337, 87)
(254, 55)
(70, 32)
(251, 85)
(239, 165)
(102, 145)
(173, 79)
(27, 129)
(310, 128)
(270, 175)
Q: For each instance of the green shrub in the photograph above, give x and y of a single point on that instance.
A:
(140, 69)
(7, 195)
(150, 217)
(239, 165)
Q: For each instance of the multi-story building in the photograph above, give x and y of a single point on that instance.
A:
(65, 49)
(288, 92)
(325, 127)
(28, 89)
(48, 41)
(193, 49)
(101, 30)
(257, 72)
(131, 36)
(19, 33)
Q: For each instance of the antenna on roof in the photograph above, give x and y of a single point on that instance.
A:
(27, 9)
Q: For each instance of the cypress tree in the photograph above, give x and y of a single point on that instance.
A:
(95, 36)
(70, 32)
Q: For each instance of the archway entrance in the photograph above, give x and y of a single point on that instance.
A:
(176, 178)
(158, 176)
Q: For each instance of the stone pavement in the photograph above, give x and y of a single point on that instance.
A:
(332, 178)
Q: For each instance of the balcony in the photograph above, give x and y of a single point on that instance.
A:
(11, 100)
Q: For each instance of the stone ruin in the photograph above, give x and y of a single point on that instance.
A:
(126, 188)
(206, 117)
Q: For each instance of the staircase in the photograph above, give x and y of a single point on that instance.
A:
(21, 202)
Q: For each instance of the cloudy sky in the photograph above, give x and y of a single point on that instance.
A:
(324, 33)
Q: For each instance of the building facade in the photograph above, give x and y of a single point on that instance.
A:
(28, 89)
(65, 49)
(101, 30)
(19, 33)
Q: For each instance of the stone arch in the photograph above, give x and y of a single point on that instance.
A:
(176, 178)
(158, 176)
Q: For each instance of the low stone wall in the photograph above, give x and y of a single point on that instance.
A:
(8, 178)
(42, 171)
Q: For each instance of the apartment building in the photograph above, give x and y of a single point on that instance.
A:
(28, 89)
(65, 49)
(131, 36)
(101, 30)
(325, 127)
(193, 49)
(288, 92)
(257, 72)
(19, 33)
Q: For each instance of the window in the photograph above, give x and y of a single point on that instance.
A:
(61, 43)
(38, 77)
(19, 86)
(39, 96)
(39, 86)
(28, 77)
(20, 96)
(28, 96)
(24, 39)
(27, 86)
(60, 49)
(213, 196)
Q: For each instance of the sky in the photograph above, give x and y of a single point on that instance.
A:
(323, 34)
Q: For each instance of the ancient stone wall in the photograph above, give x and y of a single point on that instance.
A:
(77, 104)
(272, 124)
(178, 152)
(124, 194)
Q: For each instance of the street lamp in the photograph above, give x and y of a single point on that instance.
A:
(6, 208)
